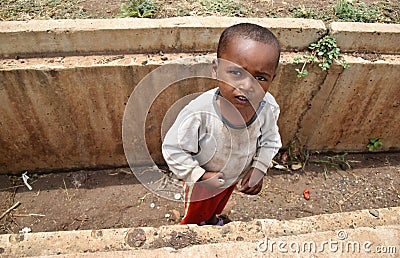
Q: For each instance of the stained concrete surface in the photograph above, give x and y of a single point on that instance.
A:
(63, 107)
(350, 234)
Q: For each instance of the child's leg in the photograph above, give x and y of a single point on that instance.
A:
(199, 208)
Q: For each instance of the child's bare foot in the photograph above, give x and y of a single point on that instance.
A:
(215, 221)
(212, 221)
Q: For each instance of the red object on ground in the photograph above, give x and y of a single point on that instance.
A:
(306, 194)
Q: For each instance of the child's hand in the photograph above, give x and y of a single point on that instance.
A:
(212, 180)
(252, 182)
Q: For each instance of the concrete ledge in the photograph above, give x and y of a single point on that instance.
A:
(66, 113)
(82, 96)
(382, 229)
(361, 242)
(180, 34)
(366, 37)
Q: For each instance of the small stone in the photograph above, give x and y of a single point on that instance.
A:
(239, 238)
(152, 205)
(167, 215)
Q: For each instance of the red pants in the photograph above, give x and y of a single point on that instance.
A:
(201, 205)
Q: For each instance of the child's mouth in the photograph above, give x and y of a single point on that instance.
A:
(242, 99)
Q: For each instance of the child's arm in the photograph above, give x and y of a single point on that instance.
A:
(268, 146)
(269, 142)
(180, 144)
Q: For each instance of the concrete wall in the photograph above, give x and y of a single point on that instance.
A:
(64, 86)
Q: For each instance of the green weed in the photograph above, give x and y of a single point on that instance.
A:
(18, 10)
(374, 144)
(324, 51)
(339, 162)
(138, 9)
(358, 11)
(226, 8)
(301, 11)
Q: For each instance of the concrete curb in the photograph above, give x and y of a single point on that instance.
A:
(180, 34)
(366, 37)
(379, 226)
(364, 242)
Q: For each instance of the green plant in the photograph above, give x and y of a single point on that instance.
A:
(138, 8)
(374, 144)
(356, 12)
(44, 9)
(229, 8)
(300, 11)
(339, 162)
(324, 51)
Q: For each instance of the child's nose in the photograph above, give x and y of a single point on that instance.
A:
(247, 84)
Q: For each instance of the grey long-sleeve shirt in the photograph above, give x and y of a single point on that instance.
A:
(202, 140)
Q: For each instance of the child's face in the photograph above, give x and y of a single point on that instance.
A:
(247, 73)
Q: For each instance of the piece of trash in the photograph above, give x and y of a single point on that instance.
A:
(25, 230)
(296, 166)
(167, 215)
(25, 178)
(281, 167)
(374, 213)
(306, 194)
(152, 205)
(177, 196)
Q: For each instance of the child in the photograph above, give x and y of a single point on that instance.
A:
(229, 133)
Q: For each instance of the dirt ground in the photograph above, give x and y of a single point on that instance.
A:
(115, 199)
(311, 9)
(385, 11)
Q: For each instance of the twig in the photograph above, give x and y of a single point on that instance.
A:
(325, 172)
(10, 209)
(29, 215)
(142, 198)
(66, 190)
(15, 186)
(341, 202)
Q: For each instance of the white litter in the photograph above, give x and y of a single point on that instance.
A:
(152, 205)
(167, 215)
(177, 196)
(25, 178)
(25, 230)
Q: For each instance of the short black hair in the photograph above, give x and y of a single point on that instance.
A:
(247, 31)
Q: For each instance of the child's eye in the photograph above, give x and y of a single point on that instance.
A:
(261, 78)
(236, 73)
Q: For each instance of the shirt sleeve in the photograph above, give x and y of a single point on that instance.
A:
(269, 142)
(180, 144)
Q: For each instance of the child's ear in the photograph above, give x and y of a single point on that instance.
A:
(214, 68)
